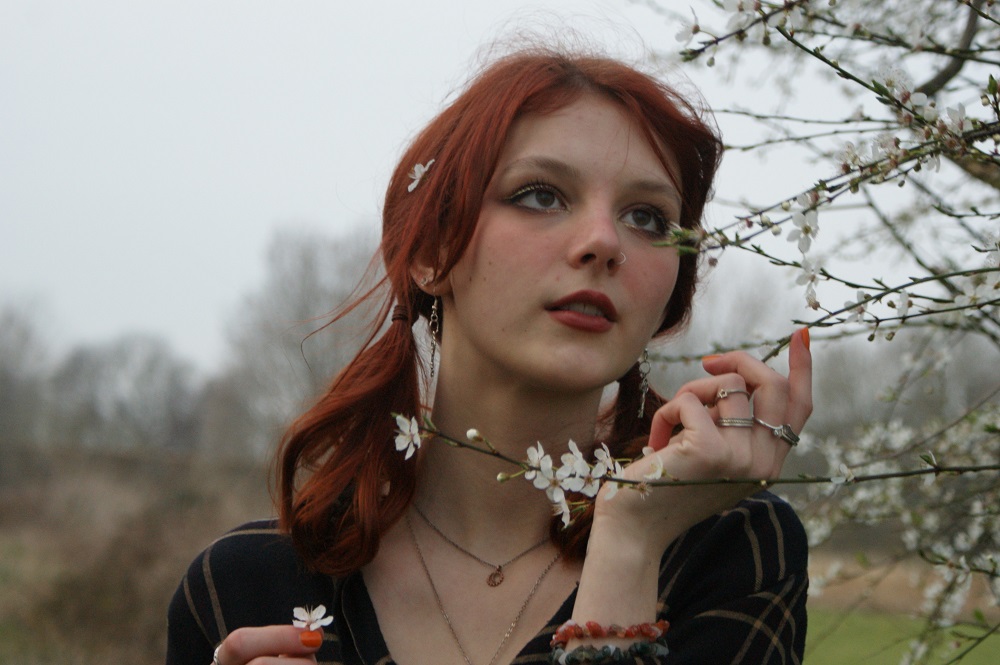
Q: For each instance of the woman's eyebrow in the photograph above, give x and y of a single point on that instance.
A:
(553, 166)
(662, 188)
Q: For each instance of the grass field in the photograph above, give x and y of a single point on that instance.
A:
(836, 638)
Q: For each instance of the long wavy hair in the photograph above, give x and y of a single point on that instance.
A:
(336, 459)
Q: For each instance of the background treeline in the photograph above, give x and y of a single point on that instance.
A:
(135, 392)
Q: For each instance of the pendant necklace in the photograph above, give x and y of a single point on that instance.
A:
(444, 614)
(495, 578)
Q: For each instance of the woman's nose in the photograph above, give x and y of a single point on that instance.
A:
(596, 241)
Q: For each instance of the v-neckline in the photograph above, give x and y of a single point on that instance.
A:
(364, 629)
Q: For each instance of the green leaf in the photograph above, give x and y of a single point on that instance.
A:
(991, 87)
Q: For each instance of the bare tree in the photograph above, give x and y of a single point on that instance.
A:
(23, 369)
(891, 115)
(283, 354)
(129, 392)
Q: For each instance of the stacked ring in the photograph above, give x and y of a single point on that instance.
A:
(726, 392)
(783, 432)
(734, 422)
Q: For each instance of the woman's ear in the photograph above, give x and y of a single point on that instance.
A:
(427, 280)
(426, 273)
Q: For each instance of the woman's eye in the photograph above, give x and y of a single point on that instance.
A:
(537, 197)
(648, 219)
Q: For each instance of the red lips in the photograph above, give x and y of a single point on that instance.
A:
(590, 311)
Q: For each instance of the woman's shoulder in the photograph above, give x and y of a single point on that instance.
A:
(734, 587)
(249, 576)
(753, 546)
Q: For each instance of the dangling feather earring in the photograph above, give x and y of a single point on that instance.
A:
(644, 382)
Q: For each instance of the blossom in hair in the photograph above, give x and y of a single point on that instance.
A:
(416, 173)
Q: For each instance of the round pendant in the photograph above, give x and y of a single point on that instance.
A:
(495, 578)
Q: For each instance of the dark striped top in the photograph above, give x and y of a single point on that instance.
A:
(733, 589)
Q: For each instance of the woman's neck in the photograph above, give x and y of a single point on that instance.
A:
(459, 490)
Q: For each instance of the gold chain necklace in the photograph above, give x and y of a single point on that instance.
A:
(495, 578)
(447, 619)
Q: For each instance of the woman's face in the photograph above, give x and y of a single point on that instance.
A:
(561, 287)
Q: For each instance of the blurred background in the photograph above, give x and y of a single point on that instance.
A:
(186, 190)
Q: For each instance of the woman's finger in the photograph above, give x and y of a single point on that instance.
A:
(710, 390)
(800, 402)
(244, 645)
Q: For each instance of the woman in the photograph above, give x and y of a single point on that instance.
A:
(526, 225)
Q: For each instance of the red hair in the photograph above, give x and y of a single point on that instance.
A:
(345, 441)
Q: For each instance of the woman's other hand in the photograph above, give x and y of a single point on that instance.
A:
(709, 444)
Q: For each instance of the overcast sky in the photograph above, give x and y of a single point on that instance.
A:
(148, 150)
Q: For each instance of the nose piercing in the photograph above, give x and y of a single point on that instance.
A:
(618, 263)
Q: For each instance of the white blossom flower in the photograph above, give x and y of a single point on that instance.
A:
(806, 227)
(742, 14)
(311, 619)
(857, 308)
(902, 304)
(886, 146)
(613, 468)
(810, 272)
(547, 480)
(416, 173)
(812, 302)
(562, 509)
(844, 477)
(795, 18)
(603, 455)
(992, 250)
(975, 294)
(897, 81)
(688, 29)
(592, 480)
(851, 157)
(923, 106)
(408, 435)
(574, 469)
(535, 457)
(957, 122)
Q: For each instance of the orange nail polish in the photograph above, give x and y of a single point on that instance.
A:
(311, 638)
(805, 336)
(711, 357)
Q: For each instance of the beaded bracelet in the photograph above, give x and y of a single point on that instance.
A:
(650, 632)
(606, 655)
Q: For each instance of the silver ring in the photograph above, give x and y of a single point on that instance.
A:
(734, 422)
(215, 656)
(622, 262)
(726, 392)
(783, 432)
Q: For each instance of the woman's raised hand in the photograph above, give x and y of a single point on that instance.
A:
(269, 645)
(722, 437)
